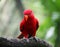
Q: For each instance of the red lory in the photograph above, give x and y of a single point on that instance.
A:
(28, 25)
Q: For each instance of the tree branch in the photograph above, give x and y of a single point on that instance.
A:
(23, 43)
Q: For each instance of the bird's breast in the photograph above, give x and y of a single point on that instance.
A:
(30, 25)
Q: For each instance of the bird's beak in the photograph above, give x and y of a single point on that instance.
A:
(26, 17)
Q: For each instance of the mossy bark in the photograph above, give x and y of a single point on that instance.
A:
(23, 43)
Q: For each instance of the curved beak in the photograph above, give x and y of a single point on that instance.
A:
(26, 17)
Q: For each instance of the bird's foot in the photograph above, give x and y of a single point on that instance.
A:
(35, 39)
(26, 39)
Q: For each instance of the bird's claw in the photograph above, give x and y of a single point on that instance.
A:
(35, 39)
(26, 39)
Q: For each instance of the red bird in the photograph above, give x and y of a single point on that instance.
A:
(28, 25)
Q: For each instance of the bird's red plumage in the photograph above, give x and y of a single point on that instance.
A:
(30, 26)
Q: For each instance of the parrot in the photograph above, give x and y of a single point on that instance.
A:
(29, 25)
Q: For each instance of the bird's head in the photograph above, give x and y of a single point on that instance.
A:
(28, 13)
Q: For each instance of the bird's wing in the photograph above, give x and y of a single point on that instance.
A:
(37, 24)
(22, 25)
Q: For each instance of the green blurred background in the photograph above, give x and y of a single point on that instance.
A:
(46, 11)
